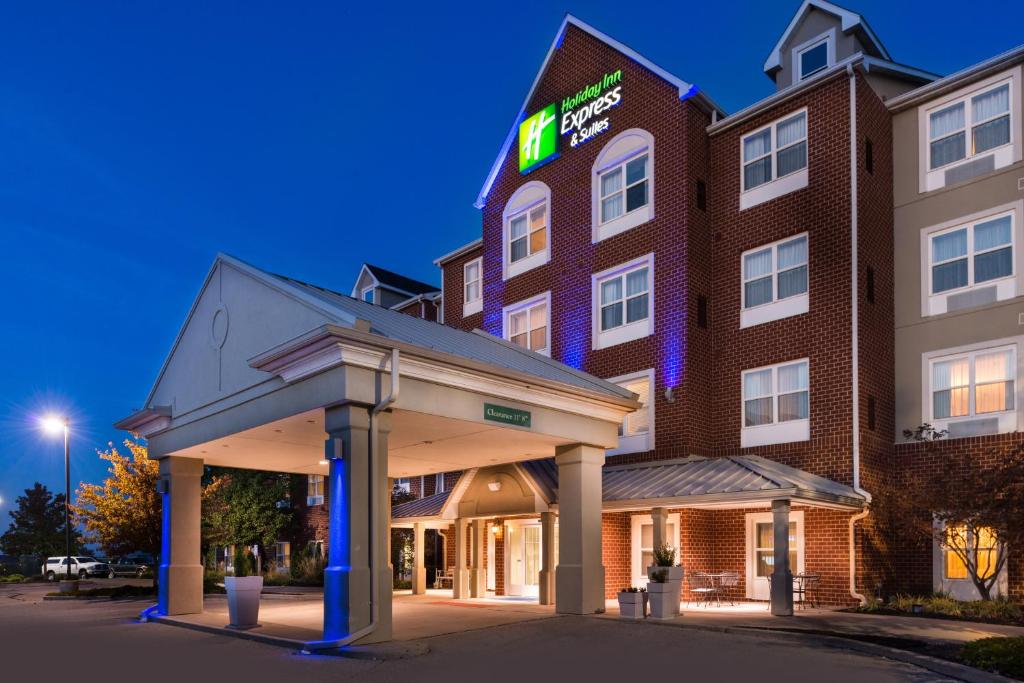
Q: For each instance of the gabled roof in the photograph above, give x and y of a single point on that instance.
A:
(686, 90)
(428, 506)
(395, 281)
(851, 21)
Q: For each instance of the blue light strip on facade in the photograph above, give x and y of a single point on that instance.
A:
(163, 591)
(336, 589)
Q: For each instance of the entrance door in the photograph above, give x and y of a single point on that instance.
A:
(523, 559)
(761, 551)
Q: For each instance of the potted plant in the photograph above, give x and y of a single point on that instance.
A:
(663, 595)
(632, 603)
(665, 561)
(244, 591)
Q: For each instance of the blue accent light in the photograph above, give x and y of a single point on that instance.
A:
(689, 93)
(336, 590)
(673, 352)
(163, 594)
(150, 611)
(574, 328)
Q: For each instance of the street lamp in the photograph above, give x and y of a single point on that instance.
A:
(54, 425)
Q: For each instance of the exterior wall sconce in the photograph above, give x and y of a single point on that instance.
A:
(670, 395)
(495, 529)
(494, 486)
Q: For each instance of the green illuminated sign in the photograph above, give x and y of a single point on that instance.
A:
(538, 138)
(509, 416)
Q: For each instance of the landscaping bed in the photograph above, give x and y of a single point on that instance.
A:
(999, 655)
(944, 607)
(111, 592)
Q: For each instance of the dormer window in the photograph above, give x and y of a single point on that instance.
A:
(368, 295)
(813, 59)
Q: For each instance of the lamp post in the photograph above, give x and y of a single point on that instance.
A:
(55, 425)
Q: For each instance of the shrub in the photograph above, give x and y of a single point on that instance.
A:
(659, 576)
(245, 563)
(308, 567)
(664, 555)
(999, 610)
(1001, 655)
(12, 578)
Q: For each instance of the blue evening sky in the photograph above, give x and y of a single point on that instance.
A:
(139, 139)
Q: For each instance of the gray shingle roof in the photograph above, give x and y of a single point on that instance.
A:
(478, 346)
(429, 506)
(390, 278)
(734, 477)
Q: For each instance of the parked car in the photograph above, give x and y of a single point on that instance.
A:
(127, 566)
(81, 566)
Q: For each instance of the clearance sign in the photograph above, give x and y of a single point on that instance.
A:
(580, 116)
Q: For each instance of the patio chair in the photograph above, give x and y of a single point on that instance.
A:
(728, 583)
(446, 577)
(703, 588)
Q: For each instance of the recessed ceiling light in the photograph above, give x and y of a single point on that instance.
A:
(279, 431)
(324, 462)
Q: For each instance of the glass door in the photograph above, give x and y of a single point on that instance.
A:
(523, 559)
(761, 552)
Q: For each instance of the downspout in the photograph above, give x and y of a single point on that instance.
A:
(375, 521)
(854, 336)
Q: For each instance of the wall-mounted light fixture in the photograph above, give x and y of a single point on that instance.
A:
(670, 395)
(494, 486)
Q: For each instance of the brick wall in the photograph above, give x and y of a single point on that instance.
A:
(454, 281)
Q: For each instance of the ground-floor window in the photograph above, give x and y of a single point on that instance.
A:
(642, 544)
(951, 557)
(283, 557)
(761, 551)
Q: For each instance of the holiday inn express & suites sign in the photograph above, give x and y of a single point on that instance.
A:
(580, 116)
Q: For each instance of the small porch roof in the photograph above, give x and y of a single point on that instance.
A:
(694, 481)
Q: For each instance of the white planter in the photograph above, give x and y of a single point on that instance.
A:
(664, 599)
(68, 586)
(674, 573)
(631, 605)
(243, 600)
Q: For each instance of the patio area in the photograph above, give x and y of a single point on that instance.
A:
(292, 619)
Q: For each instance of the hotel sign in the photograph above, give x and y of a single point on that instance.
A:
(509, 416)
(580, 116)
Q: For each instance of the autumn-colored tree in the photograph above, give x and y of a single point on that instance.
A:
(970, 510)
(122, 514)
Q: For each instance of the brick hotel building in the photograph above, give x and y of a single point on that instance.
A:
(757, 279)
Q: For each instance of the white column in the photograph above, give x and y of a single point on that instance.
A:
(419, 572)
(782, 577)
(579, 577)
(478, 571)
(547, 552)
(181, 574)
(353, 556)
(460, 579)
(660, 518)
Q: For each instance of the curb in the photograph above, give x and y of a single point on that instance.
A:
(955, 670)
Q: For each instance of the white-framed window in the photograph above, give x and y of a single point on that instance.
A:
(283, 557)
(527, 229)
(315, 489)
(774, 160)
(760, 547)
(972, 390)
(774, 281)
(776, 404)
(636, 433)
(472, 287)
(980, 123)
(950, 573)
(526, 324)
(316, 548)
(972, 261)
(404, 484)
(622, 180)
(368, 295)
(439, 483)
(642, 544)
(623, 302)
(814, 56)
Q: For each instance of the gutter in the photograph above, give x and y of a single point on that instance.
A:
(954, 80)
(854, 335)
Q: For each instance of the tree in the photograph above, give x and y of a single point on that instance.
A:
(246, 508)
(122, 514)
(38, 526)
(969, 509)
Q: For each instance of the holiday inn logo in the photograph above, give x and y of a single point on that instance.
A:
(538, 138)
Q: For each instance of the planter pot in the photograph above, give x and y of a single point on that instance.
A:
(674, 573)
(631, 605)
(664, 599)
(68, 586)
(243, 600)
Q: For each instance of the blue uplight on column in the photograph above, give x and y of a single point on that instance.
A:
(163, 590)
(336, 590)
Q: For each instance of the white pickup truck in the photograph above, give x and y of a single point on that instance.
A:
(81, 567)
